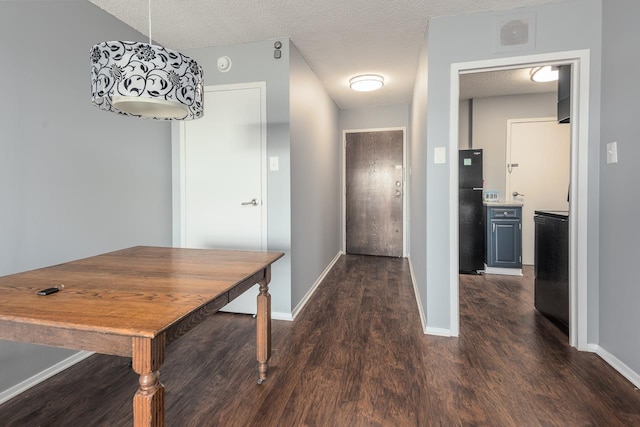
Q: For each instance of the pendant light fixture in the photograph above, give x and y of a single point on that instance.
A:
(144, 80)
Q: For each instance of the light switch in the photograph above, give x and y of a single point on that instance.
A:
(612, 152)
(440, 155)
(273, 164)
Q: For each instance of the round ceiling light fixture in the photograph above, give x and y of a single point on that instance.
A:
(366, 82)
(544, 74)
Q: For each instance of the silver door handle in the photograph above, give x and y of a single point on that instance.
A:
(253, 202)
(516, 194)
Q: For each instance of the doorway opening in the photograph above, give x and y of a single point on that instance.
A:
(579, 61)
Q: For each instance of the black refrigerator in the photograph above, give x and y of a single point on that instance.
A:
(471, 223)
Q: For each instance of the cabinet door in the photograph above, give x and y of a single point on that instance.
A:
(506, 237)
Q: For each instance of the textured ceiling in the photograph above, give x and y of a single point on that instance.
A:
(338, 38)
(499, 83)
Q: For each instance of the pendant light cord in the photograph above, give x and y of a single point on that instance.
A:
(150, 22)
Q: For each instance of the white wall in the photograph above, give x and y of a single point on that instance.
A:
(619, 207)
(490, 117)
(315, 177)
(252, 62)
(563, 26)
(74, 180)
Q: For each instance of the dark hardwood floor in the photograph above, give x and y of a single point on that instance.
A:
(357, 356)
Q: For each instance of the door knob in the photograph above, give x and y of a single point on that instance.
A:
(253, 202)
(398, 184)
(398, 193)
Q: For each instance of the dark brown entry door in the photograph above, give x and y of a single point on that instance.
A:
(374, 170)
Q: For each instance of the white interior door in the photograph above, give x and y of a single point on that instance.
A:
(222, 173)
(541, 150)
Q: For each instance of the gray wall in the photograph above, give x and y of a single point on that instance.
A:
(392, 116)
(619, 207)
(315, 177)
(375, 117)
(489, 129)
(560, 26)
(74, 180)
(253, 62)
(418, 180)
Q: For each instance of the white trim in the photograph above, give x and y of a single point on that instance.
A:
(593, 348)
(454, 201)
(439, 332)
(616, 364)
(178, 139)
(405, 185)
(305, 299)
(578, 242)
(502, 271)
(277, 315)
(23, 386)
(423, 317)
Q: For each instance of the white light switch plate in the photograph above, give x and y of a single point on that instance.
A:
(440, 155)
(273, 164)
(612, 152)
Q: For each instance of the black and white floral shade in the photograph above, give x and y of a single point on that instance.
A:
(145, 80)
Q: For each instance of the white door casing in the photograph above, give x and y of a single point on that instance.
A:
(219, 180)
(579, 203)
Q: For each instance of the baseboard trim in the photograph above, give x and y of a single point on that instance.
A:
(423, 317)
(310, 292)
(617, 364)
(276, 315)
(503, 271)
(12, 392)
(440, 332)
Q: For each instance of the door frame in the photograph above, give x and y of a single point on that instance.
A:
(178, 159)
(405, 188)
(579, 178)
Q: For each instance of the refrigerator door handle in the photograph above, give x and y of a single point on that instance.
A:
(477, 188)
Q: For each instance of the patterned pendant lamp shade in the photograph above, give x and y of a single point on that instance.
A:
(145, 80)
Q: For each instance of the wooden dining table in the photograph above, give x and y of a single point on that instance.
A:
(134, 302)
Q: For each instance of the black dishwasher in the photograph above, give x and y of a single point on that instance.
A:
(551, 266)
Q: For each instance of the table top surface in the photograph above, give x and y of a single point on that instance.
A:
(140, 291)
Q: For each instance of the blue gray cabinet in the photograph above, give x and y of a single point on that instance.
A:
(504, 236)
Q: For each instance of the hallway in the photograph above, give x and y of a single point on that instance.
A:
(357, 356)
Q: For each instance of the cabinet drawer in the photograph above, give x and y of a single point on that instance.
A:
(505, 212)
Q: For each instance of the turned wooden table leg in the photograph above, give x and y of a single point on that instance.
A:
(263, 326)
(148, 402)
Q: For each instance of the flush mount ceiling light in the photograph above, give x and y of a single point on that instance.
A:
(544, 74)
(366, 82)
(143, 80)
